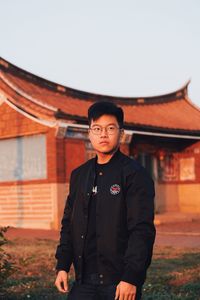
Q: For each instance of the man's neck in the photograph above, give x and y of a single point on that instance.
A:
(103, 158)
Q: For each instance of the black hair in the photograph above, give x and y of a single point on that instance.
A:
(99, 109)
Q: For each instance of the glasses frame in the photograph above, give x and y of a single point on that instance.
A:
(102, 128)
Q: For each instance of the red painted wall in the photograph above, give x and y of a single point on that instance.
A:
(75, 154)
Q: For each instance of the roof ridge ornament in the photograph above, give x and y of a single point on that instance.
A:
(4, 63)
(140, 100)
(61, 88)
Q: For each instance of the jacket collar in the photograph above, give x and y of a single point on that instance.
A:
(113, 159)
(90, 176)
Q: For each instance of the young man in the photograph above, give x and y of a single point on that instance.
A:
(107, 228)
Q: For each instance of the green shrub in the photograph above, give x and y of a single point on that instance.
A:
(7, 267)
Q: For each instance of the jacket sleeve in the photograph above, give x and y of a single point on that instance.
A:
(64, 252)
(140, 215)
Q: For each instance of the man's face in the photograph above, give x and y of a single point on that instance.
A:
(104, 134)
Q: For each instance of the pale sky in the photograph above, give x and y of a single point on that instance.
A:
(120, 48)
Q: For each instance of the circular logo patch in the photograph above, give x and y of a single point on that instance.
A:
(115, 189)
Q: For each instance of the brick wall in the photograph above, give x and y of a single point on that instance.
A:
(14, 124)
(29, 206)
(33, 203)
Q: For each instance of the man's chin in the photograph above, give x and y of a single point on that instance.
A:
(107, 151)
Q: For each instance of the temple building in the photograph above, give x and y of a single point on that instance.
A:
(43, 136)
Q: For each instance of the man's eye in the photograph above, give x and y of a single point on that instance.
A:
(97, 129)
(111, 127)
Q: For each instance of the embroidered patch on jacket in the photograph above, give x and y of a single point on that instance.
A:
(115, 189)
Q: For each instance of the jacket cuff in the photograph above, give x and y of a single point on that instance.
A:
(64, 265)
(135, 278)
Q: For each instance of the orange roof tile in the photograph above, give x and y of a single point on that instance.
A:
(172, 112)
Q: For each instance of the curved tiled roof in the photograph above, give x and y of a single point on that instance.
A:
(44, 99)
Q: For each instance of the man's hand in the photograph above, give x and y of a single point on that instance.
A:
(125, 291)
(62, 282)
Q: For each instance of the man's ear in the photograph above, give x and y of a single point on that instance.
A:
(121, 135)
(88, 133)
(121, 132)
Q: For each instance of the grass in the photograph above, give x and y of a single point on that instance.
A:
(174, 273)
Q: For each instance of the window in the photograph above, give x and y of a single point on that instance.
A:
(23, 158)
(187, 168)
(168, 168)
(148, 162)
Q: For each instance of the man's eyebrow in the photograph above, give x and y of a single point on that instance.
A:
(101, 125)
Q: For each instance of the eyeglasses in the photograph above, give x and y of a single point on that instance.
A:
(110, 129)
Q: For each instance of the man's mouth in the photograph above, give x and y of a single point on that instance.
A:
(103, 143)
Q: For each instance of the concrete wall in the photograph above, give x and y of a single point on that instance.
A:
(189, 197)
(167, 197)
(177, 197)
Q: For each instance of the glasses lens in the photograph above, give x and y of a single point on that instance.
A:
(111, 129)
(96, 130)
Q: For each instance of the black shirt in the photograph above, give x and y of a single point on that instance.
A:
(90, 247)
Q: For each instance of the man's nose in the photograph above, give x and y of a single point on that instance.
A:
(104, 132)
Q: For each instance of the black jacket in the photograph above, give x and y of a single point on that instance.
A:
(124, 221)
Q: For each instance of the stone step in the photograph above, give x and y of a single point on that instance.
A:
(174, 217)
